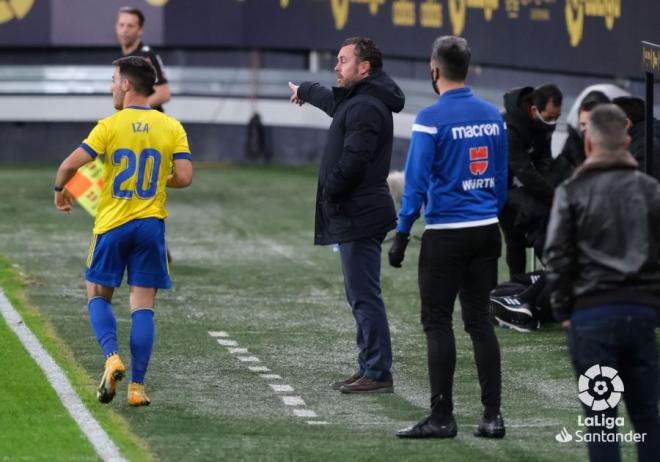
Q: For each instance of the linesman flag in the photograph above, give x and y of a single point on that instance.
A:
(86, 185)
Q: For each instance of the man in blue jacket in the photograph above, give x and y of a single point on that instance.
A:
(353, 204)
(457, 170)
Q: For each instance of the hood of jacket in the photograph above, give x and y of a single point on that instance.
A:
(379, 85)
(516, 103)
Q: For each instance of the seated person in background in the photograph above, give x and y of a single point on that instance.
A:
(634, 109)
(572, 154)
(523, 303)
(531, 116)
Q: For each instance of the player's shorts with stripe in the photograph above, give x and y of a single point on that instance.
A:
(138, 247)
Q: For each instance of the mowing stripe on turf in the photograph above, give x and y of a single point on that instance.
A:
(294, 401)
(104, 446)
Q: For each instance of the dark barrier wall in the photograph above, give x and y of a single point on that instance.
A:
(582, 36)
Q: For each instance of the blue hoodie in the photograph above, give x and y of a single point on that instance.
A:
(457, 164)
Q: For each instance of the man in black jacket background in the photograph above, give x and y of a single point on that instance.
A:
(603, 265)
(634, 109)
(353, 205)
(531, 116)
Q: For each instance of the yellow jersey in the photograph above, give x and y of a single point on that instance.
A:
(140, 145)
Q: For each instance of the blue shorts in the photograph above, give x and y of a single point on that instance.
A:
(139, 247)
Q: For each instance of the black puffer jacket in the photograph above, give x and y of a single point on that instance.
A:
(529, 148)
(352, 199)
(603, 241)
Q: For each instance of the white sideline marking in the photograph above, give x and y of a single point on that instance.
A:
(219, 333)
(281, 388)
(238, 350)
(289, 400)
(292, 400)
(259, 369)
(104, 446)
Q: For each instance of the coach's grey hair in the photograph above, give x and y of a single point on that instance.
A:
(452, 56)
(608, 127)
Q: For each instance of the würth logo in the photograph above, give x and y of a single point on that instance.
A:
(478, 160)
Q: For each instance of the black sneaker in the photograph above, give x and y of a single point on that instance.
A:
(513, 313)
(491, 428)
(427, 428)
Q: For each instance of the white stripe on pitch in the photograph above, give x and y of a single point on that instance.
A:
(277, 388)
(292, 400)
(219, 333)
(104, 446)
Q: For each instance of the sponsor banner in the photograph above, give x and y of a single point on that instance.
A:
(583, 36)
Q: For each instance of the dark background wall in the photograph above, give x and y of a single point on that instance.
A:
(599, 37)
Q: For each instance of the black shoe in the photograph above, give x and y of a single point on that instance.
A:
(367, 385)
(348, 381)
(427, 428)
(491, 428)
(513, 313)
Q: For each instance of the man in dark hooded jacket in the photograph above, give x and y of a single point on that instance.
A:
(531, 116)
(634, 109)
(353, 204)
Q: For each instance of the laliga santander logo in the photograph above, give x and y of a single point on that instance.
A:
(478, 160)
(600, 387)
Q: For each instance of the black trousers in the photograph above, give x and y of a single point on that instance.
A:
(460, 262)
(516, 242)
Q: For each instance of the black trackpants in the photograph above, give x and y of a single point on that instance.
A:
(464, 262)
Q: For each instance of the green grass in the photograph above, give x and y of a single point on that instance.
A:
(244, 263)
(34, 424)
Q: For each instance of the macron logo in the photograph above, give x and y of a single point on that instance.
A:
(473, 131)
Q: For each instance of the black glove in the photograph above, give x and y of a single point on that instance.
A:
(398, 249)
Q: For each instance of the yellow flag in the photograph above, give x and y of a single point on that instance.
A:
(86, 185)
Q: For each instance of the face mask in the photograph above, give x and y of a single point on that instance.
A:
(433, 82)
(543, 124)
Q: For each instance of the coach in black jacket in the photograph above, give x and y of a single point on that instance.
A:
(603, 261)
(531, 116)
(353, 204)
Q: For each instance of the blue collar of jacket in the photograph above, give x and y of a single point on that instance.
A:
(456, 93)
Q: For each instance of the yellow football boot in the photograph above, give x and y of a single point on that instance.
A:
(113, 373)
(137, 396)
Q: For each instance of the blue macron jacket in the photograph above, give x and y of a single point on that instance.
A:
(457, 164)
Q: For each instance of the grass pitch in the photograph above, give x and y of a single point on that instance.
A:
(244, 263)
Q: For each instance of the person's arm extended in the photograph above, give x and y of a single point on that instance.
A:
(182, 175)
(316, 95)
(65, 172)
(160, 96)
